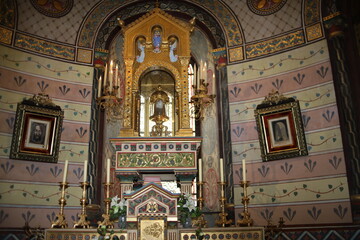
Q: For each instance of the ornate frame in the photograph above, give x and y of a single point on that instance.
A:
(37, 130)
(280, 128)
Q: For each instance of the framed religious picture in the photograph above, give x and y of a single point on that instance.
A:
(37, 130)
(280, 128)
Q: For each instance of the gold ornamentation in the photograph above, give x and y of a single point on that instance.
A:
(5, 35)
(152, 207)
(273, 98)
(201, 100)
(44, 47)
(274, 45)
(236, 54)
(60, 221)
(154, 230)
(42, 99)
(314, 32)
(84, 55)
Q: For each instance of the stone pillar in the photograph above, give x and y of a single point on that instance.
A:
(346, 99)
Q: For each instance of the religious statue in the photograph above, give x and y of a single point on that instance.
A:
(159, 98)
(157, 39)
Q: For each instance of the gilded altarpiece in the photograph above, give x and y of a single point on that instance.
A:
(156, 41)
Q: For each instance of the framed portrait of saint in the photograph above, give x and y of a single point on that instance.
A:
(37, 130)
(280, 128)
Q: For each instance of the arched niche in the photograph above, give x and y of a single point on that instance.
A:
(156, 41)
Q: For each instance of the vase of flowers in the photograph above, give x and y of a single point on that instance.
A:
(118, 211)
(187, 209)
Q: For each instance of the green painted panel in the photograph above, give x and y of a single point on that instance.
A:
(156, 160)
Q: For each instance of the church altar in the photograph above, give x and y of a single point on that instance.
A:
(229, 233)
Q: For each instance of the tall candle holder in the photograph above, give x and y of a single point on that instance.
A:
(200, 221)
(60, 221)
(106, 216)
(82, 222)
(246, 220)
(223, 221)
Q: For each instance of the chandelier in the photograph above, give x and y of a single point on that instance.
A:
(201, 100)
(108, 98)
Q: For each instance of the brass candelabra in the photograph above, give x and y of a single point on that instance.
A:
(106, 216)
(82, 222)
(109, 102)
(223, 221)
(200, 221)
(60, 221)
(201, 99)
(246, 219)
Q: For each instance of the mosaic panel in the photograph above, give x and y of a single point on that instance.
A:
(54, 9)
(84, 55)
(314, 32)
(256, 27)
(236, 54)
(155, 160)
(275, 45)
(44, 47)
(5, 35)
(312, 11)
(62, 29)
(140, 8)
(7, 13)
(264, 8)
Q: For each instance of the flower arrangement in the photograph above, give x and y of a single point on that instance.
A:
(117, 208)
(187, 208)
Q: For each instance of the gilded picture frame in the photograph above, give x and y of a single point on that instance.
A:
(37, 130)
(280, 128)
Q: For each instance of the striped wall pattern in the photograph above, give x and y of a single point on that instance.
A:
(310, 189)
(29, 191)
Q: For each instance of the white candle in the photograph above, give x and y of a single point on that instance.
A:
(105, 75)
(221, 170)
(116, 74)
(108, 171)
(200, 170)
(205, 72)
(111, 76)
(85, 170)
(65, 171)
(99, 87)
(244, 170)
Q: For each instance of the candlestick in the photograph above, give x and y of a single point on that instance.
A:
(200, 220)
(246, 219)
(65, 171)
(106, 216)
(83, 222)
(60, 221)
(222, 220)
(108, 171)
(221, 170)
(200, 170)
(85, 170)
(244, 170)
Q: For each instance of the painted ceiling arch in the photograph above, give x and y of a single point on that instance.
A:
(97, 17)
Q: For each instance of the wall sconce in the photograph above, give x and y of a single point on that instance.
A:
(201, 99)
(109, 98)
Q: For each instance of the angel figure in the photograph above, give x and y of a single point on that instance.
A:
(141, 48)
(173, 57)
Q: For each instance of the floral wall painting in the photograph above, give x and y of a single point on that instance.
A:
(280, 128)
(37, 130)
